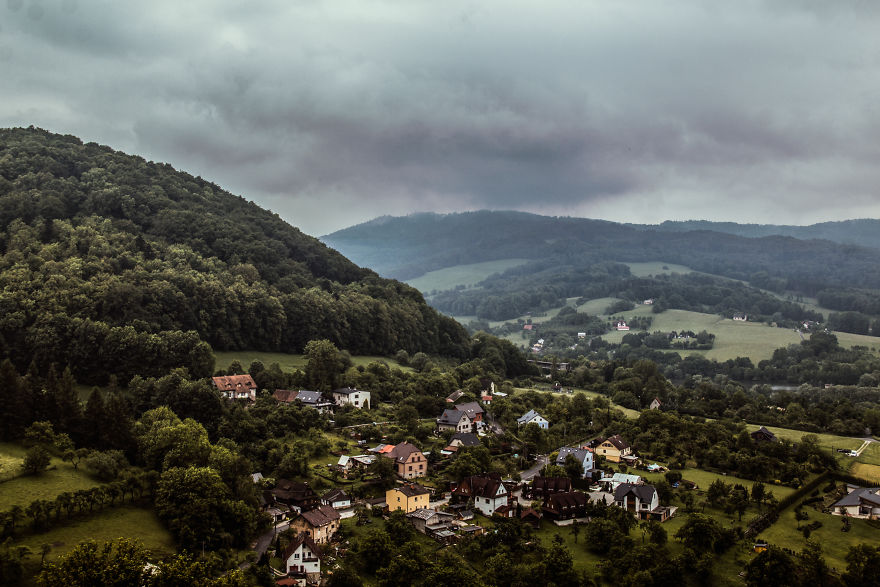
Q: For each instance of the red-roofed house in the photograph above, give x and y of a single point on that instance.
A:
(236, 386)
(320, 523)
(302, 561)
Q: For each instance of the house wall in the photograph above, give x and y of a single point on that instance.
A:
(396, 500)
(415, 466)
(303, 561)
(488, 505)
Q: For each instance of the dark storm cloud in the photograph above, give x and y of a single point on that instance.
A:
(331, 113)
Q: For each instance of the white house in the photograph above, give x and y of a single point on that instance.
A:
(533, 416)
(622, 326)
(584, 456)
(302, 559)
(642, 501)
(236, 386)
(337, 499)
(455, 420)
(859, 502)
(354, 397)
(487, 491)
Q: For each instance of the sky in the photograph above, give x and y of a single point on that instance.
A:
(331, 113)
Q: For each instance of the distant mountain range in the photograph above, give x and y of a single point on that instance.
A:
(774, 257)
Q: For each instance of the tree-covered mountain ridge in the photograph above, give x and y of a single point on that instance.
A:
(117, 265)
(407, 247)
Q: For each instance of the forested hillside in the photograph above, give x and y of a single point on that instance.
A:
(410, 246)
(116, 265)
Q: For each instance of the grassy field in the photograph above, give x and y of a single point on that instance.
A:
(59, 478)
(865, 471)
(632, 414)
(596, 307)
(127, 521)
(704, 479)
(466, 275)
(287, 362)
(871, 454)
(826, 441)
(11, 458)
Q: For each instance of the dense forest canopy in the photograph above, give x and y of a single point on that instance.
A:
(116, 265)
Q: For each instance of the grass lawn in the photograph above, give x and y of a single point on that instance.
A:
(11, 458)
(126, 521)
(871, 454)
(869, 472)
(826, 441)
(835, 544)
(466, 275)
(58, 479)
(704, 479)
(287, 362)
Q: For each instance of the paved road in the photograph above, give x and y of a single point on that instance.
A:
(265, 540)
(533, 470)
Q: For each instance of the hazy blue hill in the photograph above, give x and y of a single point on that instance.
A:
(406, 247)
(863, 232)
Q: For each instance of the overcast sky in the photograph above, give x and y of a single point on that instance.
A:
(332, 113)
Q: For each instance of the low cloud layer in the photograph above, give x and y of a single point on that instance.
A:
(332, 113)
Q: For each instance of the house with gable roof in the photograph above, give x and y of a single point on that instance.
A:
(407, 497)
(455, 420)
(763, 435)
(352, 397)
(566, 505)
(543, 487)
(614, 448)
(642, 501)
(488, 492)
(583, 455)
(409, 461)
(473, 410)
(321, 523)
(302, 560)
(533, 416)
(236, 386)
(859, 502)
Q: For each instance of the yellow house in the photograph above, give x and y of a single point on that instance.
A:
(613, 448)
(408, 498)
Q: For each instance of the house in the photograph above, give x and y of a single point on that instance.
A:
(286, 396)
(337, 499)
(532, 416)
(257, 477)
(543, 487)
(486, 399)
(763, 435)
(621, 325)
(302, 560)
(612, 483)
(583, 455)
(236, 386)
(648, 302)
(614, 448)
(453, 397)
(655, 404)
(314, 399)
(741, 317)
(487, 491)
(430, 521)
(409, 461)
(350, 465)
(454, 420)
(461, 439)
(295, 494)
(408, 497)
(642, 501)
(565, 506)
(352, 397)
(473, 410)
(859, 502)
(528, 326)
(321, 523)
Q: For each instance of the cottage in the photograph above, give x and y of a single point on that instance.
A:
(543, 487)
(488, 492)
(461, 439)
(613, 448)
(455, 420)
(352, 397)
(430, 522)
(655, 404)
(337, 499)
(739, 317)
(408, 497)
(531, 517)
(583, 455)
(297, 495)
(621, 326)
(565, 506)
(236, 386)
(302, 560)
(321, 523)
(533, 416)
(763, 435)
(409, 461)
(859, 502)
(473, 410)
(642, 501)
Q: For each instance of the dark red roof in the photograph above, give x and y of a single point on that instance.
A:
(234, 382)
(303, 537)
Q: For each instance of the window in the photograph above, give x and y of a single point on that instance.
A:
(296, 555)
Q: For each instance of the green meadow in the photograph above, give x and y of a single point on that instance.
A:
(22, 490)
(466, 275)
(287, 362)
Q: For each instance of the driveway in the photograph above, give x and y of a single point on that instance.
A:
(533, 470)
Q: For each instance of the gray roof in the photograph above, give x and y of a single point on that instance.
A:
(643, 492)
(349, 391)
(856, 496)
(579, 453)
(310, 397)
(528, 417)
(450, 417)
(426, 514)
(470, 408)
(466, 438)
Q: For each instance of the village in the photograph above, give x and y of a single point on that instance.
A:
(448, 502)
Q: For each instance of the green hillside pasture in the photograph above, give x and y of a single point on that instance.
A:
(59, 478)
(596, 307)
(835, 544)
(287, 362)
(113, 523)
(869, 456)
(466, 275)
(829, 442)
(656, 268)
(704, 479)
